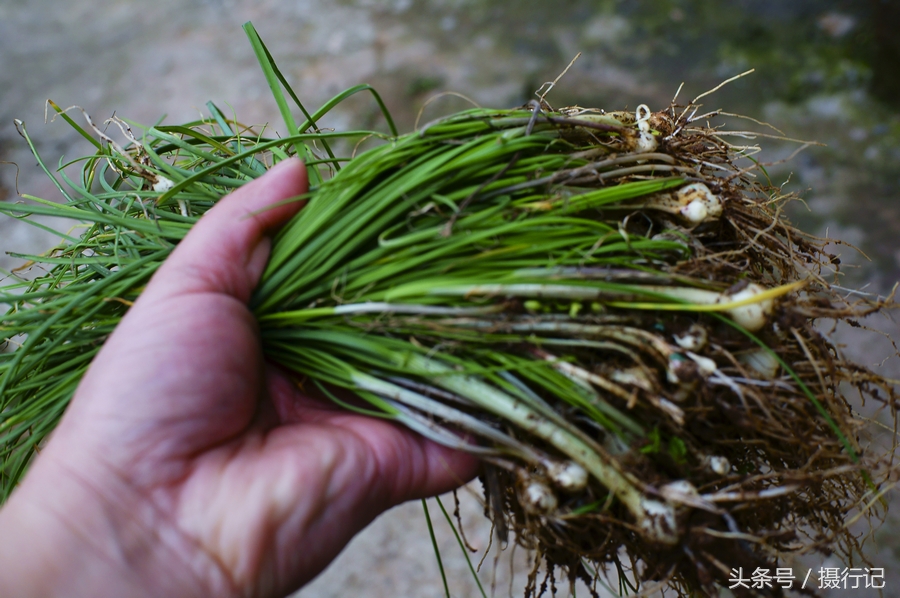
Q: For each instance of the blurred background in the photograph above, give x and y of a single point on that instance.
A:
(826, 70)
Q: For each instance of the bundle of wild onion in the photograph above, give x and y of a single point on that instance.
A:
(609, 309)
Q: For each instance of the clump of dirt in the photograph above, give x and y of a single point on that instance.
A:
(752, 430)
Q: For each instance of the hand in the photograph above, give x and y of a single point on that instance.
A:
(188, 466)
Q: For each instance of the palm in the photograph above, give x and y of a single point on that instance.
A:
(250, 486)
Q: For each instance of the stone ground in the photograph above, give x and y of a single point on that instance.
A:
(169, 57)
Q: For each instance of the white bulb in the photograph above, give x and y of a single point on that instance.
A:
(719, 465)
(645, 142)
(762, 362)
(694, 212)
(694, 339)
(162, 184)
(706, 365)
(568, 476)
(754, 315)
(658, 522)
(699, 203)
(679, 491)
(538, 499)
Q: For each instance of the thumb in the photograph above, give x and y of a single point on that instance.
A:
(191, 321)
(227, 249)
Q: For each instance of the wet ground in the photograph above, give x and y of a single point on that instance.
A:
(825, 72)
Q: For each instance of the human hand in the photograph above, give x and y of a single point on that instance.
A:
(188, 466)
